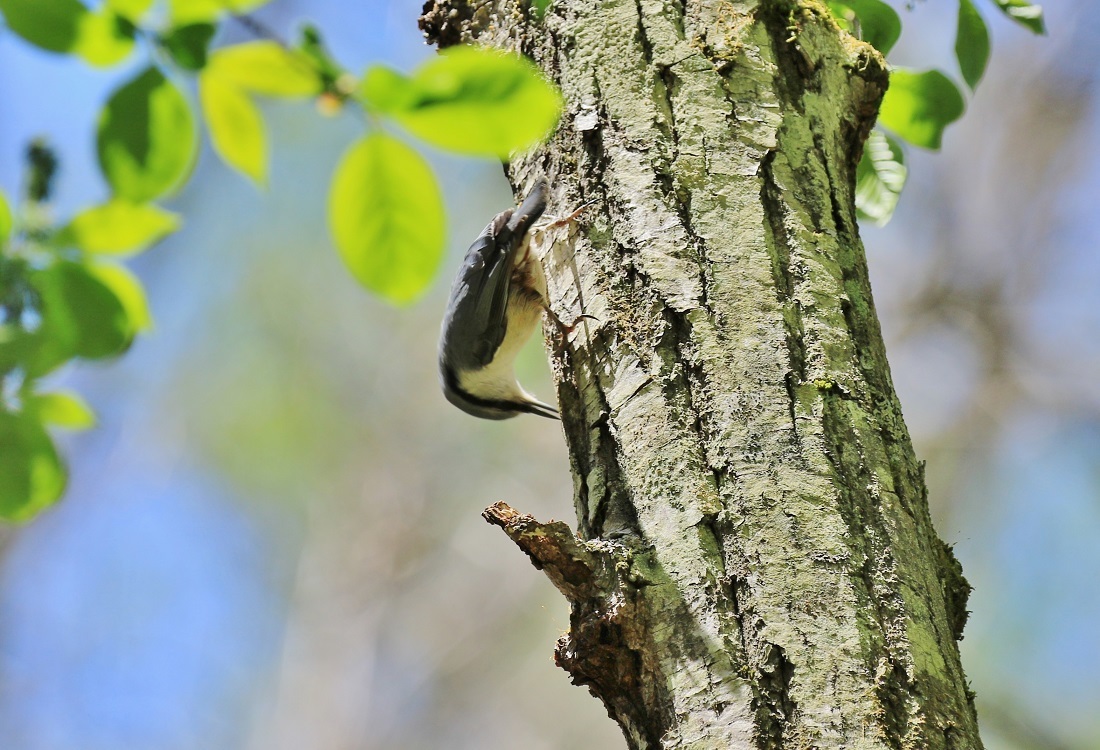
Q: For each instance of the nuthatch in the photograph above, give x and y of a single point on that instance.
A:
(496, 303)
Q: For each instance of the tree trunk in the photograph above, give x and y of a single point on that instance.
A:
(755, 565)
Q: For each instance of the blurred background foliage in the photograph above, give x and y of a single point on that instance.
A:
(273, 538)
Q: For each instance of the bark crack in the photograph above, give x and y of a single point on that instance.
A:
(792, 74)
(773, 703)
(874, 571)
(643, 37)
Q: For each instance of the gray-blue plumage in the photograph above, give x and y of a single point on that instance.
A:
(495, 304)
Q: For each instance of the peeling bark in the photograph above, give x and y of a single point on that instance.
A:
(755, 565)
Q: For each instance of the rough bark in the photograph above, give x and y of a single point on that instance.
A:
(755, 564)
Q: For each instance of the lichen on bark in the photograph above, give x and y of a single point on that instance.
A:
(762, 571)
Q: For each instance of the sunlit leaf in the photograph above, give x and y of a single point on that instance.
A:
(244, 6)
(127, 288)
(131, 9)
(235, 124)
(387, 90)
(918, 106)
(971, 43)
(1024, 13)
(32, 477)
(146, 138)
(104, 38)
(5, 218)
(880, 178)
(879, 24)
(81, 317)
(470, 100)
(843, 15)
(188, 44)
(197, 11)
(62, 409)
(119, 227)
(386, 217)
(266, 68)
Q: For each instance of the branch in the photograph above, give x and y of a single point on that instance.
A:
(605, 647)
(553, 549)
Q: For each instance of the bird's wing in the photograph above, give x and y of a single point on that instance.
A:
(488, 271)
(478, 318)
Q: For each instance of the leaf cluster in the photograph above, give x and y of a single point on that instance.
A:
(63, 294)
(918, 105)
(63, 297)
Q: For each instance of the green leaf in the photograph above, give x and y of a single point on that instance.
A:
(15, 297)
(235, 124)
(127, 288)
(918, 106)
(185, 12)
(880, 178)
(312, 45)
(81, 317)
(105, 38)
(384, 89)
(1024, 13)
(132, 10)
(146, 138)
(15, 346)
(540, 7)
(879, 24)
(386, 217)
(32, 477)
(119, 227)
(188, 44)
(63, 409)
(100, 37)
(239, 7)
(843, 15)
(470, 100)
(971, 44)
(5, 218)
(266, 68)
(53, 25)
(198, 11)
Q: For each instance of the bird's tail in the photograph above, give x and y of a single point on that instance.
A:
(531, 406)
(529, 211)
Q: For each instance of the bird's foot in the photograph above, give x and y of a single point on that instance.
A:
(553, 223)
(567, 329)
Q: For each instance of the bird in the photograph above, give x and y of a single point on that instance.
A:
(495, 304)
